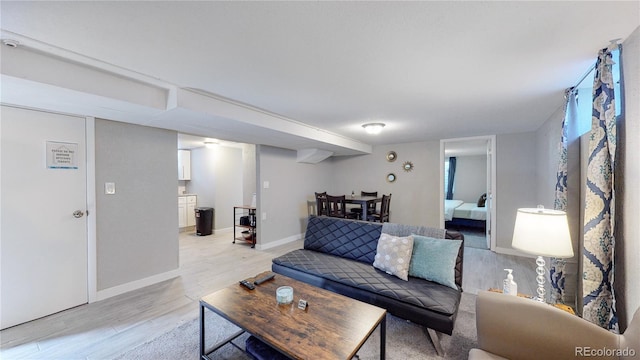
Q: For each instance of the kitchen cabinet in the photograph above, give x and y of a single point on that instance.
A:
(184, 165)
(191, 210)
(186, 210)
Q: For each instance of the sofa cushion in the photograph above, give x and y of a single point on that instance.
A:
(418, 292)
(356, 240)
(393, 255)
(435, 259)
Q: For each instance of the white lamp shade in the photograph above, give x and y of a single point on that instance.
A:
(542, 232)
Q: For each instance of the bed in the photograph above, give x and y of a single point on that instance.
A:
(461, 214)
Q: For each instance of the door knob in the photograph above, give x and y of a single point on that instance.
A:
(78, 213)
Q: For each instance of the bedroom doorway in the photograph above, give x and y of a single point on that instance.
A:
(467, 188)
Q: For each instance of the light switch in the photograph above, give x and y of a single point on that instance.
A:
(109, 188)
(264, 216)
(265, 184)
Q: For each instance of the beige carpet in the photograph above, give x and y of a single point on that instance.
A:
(405, 340)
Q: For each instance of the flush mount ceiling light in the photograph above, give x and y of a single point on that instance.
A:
(373, 128)
(210, 144)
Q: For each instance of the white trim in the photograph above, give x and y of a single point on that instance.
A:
(273, 244)
(492, 191)
(92, 252)
(134, 285)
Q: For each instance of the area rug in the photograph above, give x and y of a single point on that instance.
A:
(405, 340)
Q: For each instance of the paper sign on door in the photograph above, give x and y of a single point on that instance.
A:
(61, 155)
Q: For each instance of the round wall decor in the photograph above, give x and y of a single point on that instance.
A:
(392, 156)
(391, 177)
(407, 166)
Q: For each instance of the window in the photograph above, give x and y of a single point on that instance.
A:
(446, 175)
(584, 95)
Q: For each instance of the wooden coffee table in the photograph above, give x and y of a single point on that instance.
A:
(332, 327)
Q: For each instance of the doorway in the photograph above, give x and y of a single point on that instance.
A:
(43, 214)
(467, 188)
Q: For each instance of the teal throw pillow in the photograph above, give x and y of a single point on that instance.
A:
(434, 260)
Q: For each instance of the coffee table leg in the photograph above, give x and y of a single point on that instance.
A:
(202, 354)
(383, 337)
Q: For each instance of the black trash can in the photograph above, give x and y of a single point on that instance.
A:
(204, 221)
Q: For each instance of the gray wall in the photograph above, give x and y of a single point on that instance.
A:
(217, 180)
(291, 184)
(628, 191)
(248, 173)
(471, 178)
(416, 194)
(515, 181)
(137, 228)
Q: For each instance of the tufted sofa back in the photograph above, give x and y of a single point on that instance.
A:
(358, 240)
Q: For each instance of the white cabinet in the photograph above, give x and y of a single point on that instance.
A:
(186, 210)
(182, 211)
(191, 210)
(184, 165)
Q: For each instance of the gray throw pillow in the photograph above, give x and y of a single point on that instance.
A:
(393, 255)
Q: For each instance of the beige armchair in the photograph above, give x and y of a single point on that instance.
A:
(510, 327)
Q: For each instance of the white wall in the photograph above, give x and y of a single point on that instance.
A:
(217, 180)
(137, 228)
(471, 178)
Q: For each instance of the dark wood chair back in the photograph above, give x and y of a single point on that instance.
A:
(384, 208)
(321, 203)
(383, 215)
(371, 209)
(335, 206)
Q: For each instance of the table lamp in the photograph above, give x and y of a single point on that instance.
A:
(542, 232)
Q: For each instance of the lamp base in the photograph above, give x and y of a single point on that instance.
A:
(540, 279)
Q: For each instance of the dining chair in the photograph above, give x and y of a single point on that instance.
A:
(336, 206)
(371, 207)
(321, 203)
(383, 215)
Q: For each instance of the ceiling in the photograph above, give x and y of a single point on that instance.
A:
(309, 74)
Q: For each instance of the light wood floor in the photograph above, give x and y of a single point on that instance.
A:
(108, 328)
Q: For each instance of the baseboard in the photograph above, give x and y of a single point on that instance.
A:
(273, 244)
(514, 252)
(134, 285)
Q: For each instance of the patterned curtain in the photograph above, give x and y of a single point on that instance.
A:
(560, 203)
(599, 220)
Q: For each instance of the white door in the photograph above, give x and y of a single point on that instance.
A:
(43, 244)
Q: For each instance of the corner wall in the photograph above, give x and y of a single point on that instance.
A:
(284, 202)
(137, 228)
(415, 195)
(627, 283)
(515, 183)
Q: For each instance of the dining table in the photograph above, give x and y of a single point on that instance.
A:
(363, 201)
